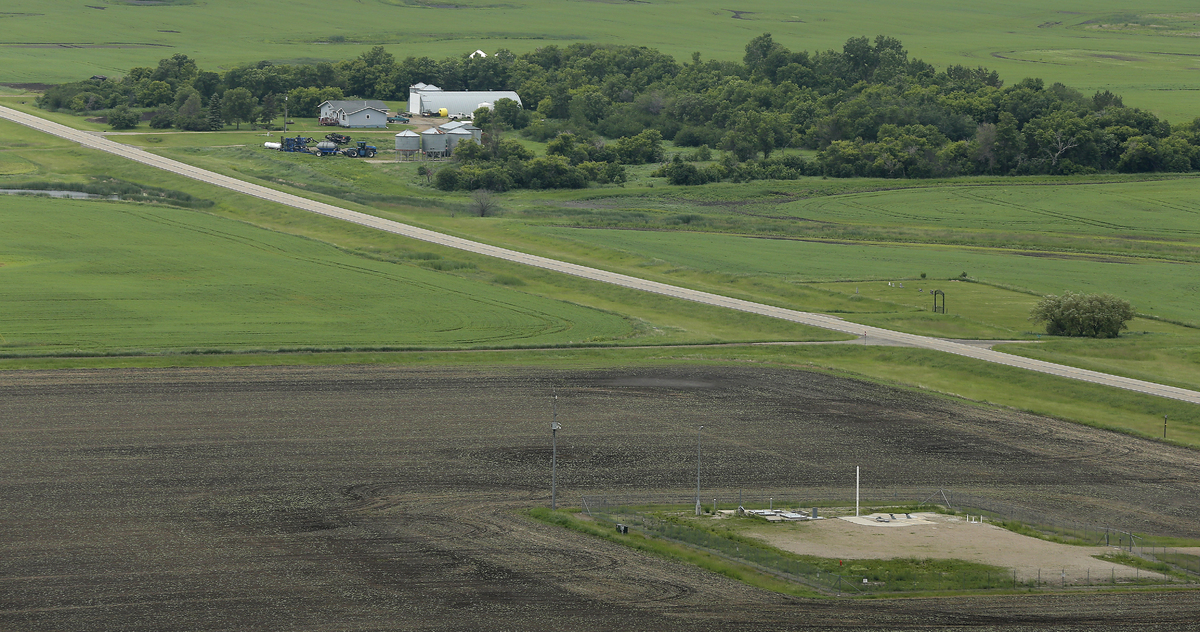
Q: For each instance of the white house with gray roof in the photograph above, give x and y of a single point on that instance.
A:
(361, 113)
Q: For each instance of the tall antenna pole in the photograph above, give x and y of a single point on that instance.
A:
(857, 479)
(554, 456)
(698, 469)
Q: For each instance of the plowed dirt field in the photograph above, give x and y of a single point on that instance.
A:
(376, 498)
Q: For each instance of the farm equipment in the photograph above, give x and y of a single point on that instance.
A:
(297, 144)
(326, 148)
(362, 151)
(398, 119)
(332, 146)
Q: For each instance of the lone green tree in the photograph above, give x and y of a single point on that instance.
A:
(238, 105)
(1083, 315)
(122, 117)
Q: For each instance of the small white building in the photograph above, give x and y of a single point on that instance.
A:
(428, 98)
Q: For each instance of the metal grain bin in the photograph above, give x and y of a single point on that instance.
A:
(476, 133)
(433, 141)
(457, 136)
(408, 141)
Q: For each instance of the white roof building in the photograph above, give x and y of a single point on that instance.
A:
(427, 98)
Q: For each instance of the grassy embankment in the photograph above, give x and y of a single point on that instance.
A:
(1145, 57)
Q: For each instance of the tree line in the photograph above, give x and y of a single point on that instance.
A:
(867, 109)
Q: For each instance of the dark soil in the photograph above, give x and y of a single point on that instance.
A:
(338, 498)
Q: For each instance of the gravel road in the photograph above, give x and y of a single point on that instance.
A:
(823, 321)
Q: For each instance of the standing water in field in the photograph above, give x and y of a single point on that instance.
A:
(74, 195)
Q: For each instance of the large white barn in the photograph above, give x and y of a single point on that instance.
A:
(428, 98)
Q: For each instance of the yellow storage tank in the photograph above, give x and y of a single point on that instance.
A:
(443, 112)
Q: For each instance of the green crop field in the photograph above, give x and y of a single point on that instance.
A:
(1166, 289)
(371, 290)
(1146, 55)
(98, 277)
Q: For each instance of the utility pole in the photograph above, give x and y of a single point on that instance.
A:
(554, 426)
(285, 112)
(857, 480)
(698, 469)
(1164, 426)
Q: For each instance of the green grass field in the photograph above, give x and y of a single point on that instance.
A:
(569, 310)
(1147, 57)
(858, 232)
(1161, 288)
(99, 277)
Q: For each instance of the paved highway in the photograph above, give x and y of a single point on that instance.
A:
(823, 321)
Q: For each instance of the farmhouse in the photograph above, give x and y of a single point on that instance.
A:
(428, 98)
(368, 113)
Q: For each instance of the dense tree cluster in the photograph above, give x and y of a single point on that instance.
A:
(868, 109)
(177, 93)
(501, 164)
(1083, 315)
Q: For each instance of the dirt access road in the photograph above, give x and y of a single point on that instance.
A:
(381, 498)
(816, 320)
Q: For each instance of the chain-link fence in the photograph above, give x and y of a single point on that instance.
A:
(645, 512)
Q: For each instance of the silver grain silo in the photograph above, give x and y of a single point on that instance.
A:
(476, 133)
(408, 140)
(433, 142)
(456, 136)
(408, 143)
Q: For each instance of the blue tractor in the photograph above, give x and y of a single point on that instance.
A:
(363, 150)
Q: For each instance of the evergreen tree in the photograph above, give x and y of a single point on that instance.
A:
(269, 110)
(215, 121)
